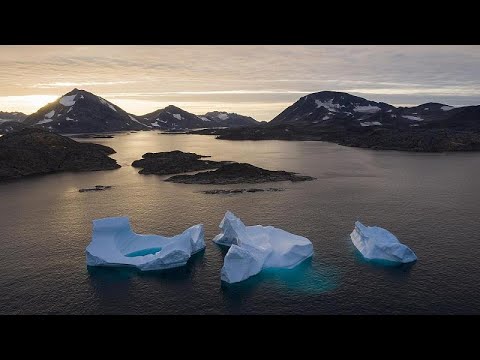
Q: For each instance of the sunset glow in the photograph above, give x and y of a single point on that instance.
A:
(258, 81)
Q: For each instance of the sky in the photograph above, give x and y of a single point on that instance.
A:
(258, 81)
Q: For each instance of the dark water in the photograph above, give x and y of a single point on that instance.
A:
(430, 201)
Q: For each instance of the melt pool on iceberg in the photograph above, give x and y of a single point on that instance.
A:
(253, 248)
(376, 243)
(115, 244)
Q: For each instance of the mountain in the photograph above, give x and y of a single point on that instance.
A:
(9, 126)
(11, 121)
(231, 120)
(329, 107)
(172, 118)
(12, 116)
(80, 112)
(34, 151)
(354, 121)
(337, 110)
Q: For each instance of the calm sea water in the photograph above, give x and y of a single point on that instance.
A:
(430, 201)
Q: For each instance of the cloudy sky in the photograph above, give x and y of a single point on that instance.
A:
(258, 81)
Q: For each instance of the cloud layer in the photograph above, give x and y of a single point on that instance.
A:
(253, 80)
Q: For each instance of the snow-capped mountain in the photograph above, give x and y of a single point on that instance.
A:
(80, 111)
(172, 118)
(342, 110)
(327, 106)
(225, 119)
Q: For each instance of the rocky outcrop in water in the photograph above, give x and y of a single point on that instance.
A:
(174, 162)
(240, 191)
(237, 173)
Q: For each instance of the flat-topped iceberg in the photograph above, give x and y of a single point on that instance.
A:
(253, 248)
(115, 244)
(376, 243)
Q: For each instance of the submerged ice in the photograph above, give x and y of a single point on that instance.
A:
(376, 243)
(115, 244)
(253, 248)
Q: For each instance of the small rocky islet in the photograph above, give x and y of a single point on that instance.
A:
(238, 173)
(33, 151)
(174, 162)
(226, 172)
(239, 191)
(96, 188)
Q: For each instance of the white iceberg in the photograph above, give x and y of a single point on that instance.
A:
(253, 248)
(376, 243)
(115, 244)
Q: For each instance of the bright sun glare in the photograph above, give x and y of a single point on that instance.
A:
(28, 103)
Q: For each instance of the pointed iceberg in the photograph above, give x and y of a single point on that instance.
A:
(115, 244)
(253, 248)
(376, 243)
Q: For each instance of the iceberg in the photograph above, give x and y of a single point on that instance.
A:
(253, 248)
(115, 244)
(376, 243)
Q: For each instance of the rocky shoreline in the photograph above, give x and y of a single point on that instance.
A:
(33, 151)
(413, 140)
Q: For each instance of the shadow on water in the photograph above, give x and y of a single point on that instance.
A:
(393, 269)
(106, 279)
(308, 277)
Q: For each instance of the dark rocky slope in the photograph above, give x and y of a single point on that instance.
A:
(80, 111)
(36, 151)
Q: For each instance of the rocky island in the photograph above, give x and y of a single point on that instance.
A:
(34, 151)
(228, 172)
(238, 173)
(174, 162)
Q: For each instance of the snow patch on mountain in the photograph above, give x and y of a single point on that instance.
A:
(414, 118)
(370, 123)
(177, 116)
(329, 105)
(222, 116)
(44, 121)
(366, 109)
(68, 100)
(105, 102)
(50, 114)
(135, 120)
(447, 108)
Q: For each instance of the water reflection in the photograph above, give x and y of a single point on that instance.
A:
(116, 282)
(308, 278)
(398, 270)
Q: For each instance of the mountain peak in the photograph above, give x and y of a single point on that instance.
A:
(80, 111)
(173, 107)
